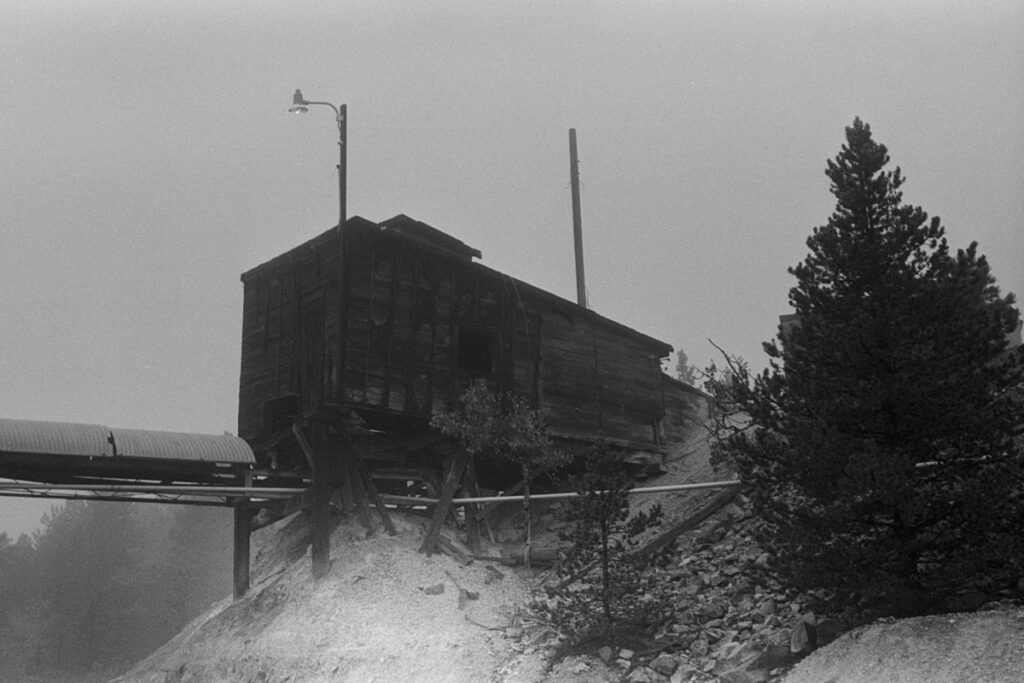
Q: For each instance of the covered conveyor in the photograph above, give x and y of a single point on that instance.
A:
(71, 460)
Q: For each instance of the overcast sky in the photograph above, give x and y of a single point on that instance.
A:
(147, 159)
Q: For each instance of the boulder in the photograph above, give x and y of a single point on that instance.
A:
(803, 638)
(666, 665)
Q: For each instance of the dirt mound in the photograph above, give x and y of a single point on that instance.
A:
(983, 647)
(383, 613)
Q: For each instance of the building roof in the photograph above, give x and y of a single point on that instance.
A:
(425, 235)
(429, 235)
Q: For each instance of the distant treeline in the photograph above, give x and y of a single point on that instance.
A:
(103, 584)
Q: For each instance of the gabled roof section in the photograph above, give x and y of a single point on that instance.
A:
(429, 236)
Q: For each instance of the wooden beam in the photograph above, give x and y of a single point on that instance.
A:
(322, 480)
(371, 491)
(717, 502)
(242, 539)
(472, 512)
(307, 450)
(355, 481)
(456, 466)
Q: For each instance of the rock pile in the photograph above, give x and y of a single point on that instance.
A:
(731, 619)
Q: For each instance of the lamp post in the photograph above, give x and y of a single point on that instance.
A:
(301, 105)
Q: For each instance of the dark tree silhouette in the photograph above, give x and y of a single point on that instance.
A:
(883, 442)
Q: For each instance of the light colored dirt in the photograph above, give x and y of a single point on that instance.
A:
(983, 647)
(368, 620)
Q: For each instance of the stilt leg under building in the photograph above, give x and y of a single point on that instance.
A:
(243, 527)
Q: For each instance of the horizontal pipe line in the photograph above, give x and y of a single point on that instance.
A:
(387, 497)
(87, 495)
(147, 488)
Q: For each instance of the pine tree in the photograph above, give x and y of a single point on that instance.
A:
(883, 444)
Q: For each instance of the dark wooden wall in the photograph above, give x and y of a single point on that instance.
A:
(415, 321)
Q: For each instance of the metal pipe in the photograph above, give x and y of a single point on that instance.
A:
(387, 497)
(85, 495)
(255, 491)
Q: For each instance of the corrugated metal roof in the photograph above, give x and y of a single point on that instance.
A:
(136, 443)
(89, 440)
(58, 438)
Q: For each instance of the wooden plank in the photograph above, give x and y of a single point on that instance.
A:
(658, 542)
(371, 491)
(358, 487)
(321, 545)
(307, 450)
(472, 509)
(456, 466)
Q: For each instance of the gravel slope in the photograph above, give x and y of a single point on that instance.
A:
(982, 647)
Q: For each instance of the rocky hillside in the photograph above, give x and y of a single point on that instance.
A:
(386, 613)
(383, 613)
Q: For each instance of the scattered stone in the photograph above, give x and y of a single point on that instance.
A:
(734, 511)
(714, 611)
(744, 676)
(436, 589)
(700, 647)
(803, 639)
(774, 656)
(605, 653)
(640, 675)
(540, 637)
(666, 665)
(626, 654)
(828, 630)
(684, 673)
(492, 575)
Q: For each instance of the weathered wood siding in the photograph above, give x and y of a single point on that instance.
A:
(600, 379)
(408, 309)
(411, 324)
(686, 409)
(291, 329)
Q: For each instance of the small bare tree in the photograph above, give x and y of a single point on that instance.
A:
(505, 426)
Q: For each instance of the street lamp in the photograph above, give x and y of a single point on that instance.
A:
(301, 105)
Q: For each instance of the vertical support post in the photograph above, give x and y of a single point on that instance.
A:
(355, 480)
(472, 509)
(456, 466)
(243, 527)
(242, 536)
(371, 491)
(322, 479)
(577, 220)
(342, 163)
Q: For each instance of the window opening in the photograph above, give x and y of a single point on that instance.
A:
(476, 351)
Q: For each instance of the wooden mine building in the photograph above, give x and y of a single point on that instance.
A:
(350, 343)
(391, 321)
(354, 339)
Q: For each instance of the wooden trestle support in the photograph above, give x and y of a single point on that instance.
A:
(340, 478)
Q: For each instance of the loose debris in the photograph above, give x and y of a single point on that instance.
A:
(731, 619)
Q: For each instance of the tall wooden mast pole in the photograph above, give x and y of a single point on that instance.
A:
(577, 220)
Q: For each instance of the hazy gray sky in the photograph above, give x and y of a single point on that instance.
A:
(147, 159)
